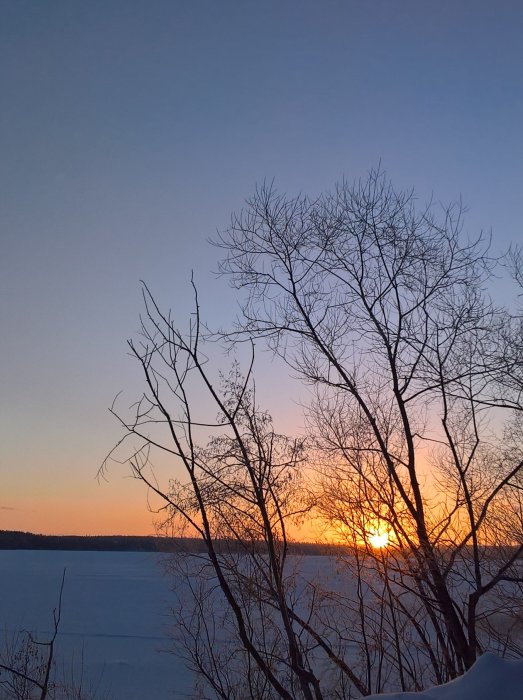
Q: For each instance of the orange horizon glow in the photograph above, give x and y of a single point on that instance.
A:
(96, 517)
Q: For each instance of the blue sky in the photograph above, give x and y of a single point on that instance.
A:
(129, 132)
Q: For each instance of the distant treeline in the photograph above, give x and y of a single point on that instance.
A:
(12, 539)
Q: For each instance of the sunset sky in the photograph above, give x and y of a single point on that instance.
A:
(129, 133)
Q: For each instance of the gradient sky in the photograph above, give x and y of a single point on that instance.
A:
(129, 131)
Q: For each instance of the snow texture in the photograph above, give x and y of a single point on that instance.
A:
(491, 678)
(115, 618)
(115, 627)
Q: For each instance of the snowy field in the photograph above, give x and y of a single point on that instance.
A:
(114, 617)
(115, 622)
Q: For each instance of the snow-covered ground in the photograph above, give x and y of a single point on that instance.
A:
(491, 678)
(114, 618)
(115, 626)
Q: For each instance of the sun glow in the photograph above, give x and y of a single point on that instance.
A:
(378, 538)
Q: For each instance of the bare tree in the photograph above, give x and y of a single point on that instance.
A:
(381, 308)
(238, 494)
(413, 456)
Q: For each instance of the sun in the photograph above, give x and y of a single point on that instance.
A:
(378, 538)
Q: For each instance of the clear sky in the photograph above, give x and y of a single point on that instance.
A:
(130, 130)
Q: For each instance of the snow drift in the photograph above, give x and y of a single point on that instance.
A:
(491, 678)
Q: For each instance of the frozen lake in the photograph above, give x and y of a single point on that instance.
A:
(115, 622)
(114, 617)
